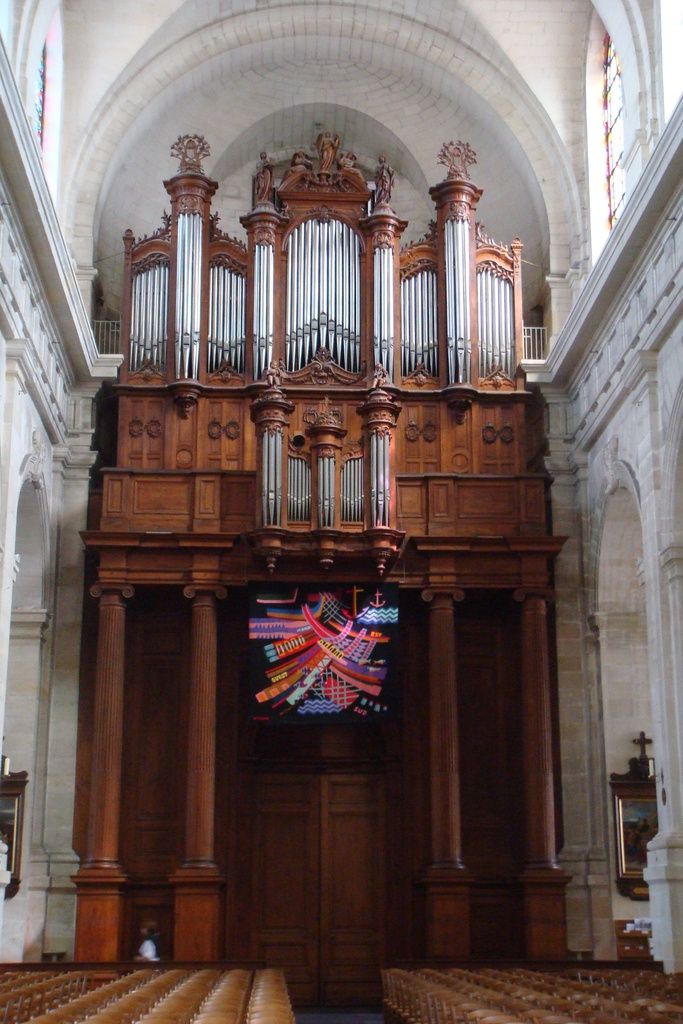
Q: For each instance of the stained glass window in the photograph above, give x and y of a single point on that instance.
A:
(40, 98)
(613, 114)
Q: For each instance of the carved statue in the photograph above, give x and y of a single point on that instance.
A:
(384, 182)
(457, 157)
(301, 159)
(263, 183)
(347, 162)
(327, 150)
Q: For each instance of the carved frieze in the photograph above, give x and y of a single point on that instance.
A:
(420, 378)
(413, 432)
(457, 158)
(147, 373)
(264, 234)
(190, 204)
(321, 370)
(492, 267)
(216, 429)
(458, 210)
(506, 434)
(222, 259)
(155, 259)
(164, 232)
(190, 150)
(226, 374)
(497, 379)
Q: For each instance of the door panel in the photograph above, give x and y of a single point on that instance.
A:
(319, 885)
(352, 888)
(287, 879)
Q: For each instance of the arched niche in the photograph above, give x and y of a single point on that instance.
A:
(26, 713)
(621, 616)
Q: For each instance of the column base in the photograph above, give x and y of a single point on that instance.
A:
(545, 916)
(446, 892)
(664, 876)
(198, 914)
(99, 914)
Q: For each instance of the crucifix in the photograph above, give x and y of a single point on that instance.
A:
(642, 742)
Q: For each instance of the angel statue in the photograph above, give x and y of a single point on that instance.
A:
(384, 182)
(263, 182)
(327, 150)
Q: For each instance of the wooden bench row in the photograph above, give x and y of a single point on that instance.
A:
(490, 996)
(152, 996)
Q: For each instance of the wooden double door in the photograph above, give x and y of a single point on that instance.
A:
(318, 885)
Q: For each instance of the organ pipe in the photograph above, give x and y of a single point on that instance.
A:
(149, 317)
(326, 495)
(384, 308)
(188, 295)
(352, 509)
(419, 311)
(496, 323)
(271, 478)
(323, 294)
(457, 269)
(298, 489)
(226, 338)
(263, 307)
(380, 479)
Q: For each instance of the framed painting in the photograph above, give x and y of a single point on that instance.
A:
(635, 819)
(12, 788)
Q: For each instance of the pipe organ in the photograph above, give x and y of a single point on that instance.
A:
(318, 400)
(321, 293)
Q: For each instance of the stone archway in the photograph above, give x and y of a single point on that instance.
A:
(26, 721)
(622, 621)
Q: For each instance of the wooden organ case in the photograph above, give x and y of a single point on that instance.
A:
(319, 403)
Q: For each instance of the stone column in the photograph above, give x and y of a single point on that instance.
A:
(198, 883)
(664, 871)
(446, 881)
(543, 882)
(25, 729)
(100, 880)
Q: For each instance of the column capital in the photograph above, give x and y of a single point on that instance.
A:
(430, 594)
(193, 591)
(547, 594)
(123, 591)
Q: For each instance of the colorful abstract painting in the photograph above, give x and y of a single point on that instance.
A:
(323, 652)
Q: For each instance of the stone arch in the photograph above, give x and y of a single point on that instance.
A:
(451, 64)
(622, 621)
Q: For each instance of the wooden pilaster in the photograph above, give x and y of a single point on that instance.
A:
(99, 882)
(446, 881)
(543, 882)
(198, 883)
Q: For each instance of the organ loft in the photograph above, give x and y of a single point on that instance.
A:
(320, 410)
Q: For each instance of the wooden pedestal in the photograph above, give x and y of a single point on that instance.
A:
(545, 926)
(197, 930)
(99, 914)
(447, 913)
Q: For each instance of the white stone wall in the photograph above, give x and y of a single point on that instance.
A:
(49, 374)
(614, 385)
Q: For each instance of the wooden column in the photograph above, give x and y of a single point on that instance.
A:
(198, 883)
(99, 882)
(543, 882)
(446, 881)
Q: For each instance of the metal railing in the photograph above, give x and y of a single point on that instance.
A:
(535, 343)
(107, 336)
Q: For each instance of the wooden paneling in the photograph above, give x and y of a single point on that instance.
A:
(352, 888)
(287, 880)
(154, 757)
(318, 883)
